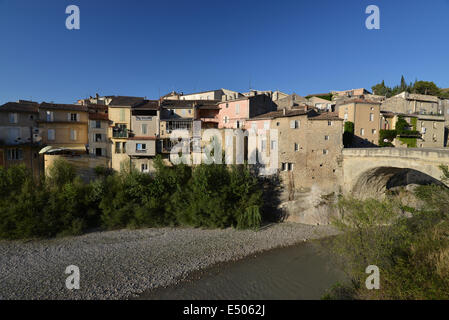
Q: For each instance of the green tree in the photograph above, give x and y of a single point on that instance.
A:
(381, 89)
(348, 134)
(426, 87)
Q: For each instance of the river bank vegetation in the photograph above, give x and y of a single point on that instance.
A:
(210, 196)
(409, 246)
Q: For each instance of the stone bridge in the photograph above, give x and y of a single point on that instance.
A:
(370, 172)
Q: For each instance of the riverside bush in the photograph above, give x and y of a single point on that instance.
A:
(412, 253)
(60, 204)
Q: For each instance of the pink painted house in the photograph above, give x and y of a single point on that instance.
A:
(236, 113)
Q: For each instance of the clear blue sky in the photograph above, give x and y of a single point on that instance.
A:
(144, 48)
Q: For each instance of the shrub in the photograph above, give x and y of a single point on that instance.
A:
(250, 219)
(62, 204)
(411, 253)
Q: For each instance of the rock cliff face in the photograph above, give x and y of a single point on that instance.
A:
(314, 207)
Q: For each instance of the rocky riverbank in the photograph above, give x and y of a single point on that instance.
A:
(122, 264)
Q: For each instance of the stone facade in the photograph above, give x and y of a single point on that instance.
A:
(292, 101)
(309, 151)
(408, 103)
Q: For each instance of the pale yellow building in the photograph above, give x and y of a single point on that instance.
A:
(64, 126)
(366, 118)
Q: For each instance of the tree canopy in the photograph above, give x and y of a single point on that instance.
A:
(420, 87)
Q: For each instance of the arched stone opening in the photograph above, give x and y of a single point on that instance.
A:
(375, 182)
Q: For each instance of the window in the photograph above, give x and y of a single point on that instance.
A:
(325, 151)
(346, 116)
(296, 147)
(263, 145)
(273, 144)
(238, 124)
(141, 147)
(266, 125)
(434, 125)
(225, 119)
(73, 117)
(254, 126)
(98, 152)
(237, 109)
(124, 147)
(294, 124)
(227, 105)
(144, 167)
(13, 134)
(15, 154)
(73, 134)
(374, 131)
(98, 137)
(13, 118)
(371, 117)
(423, 130)
(117, 147)
(51, 134)
(49, 116)
(98, 124)
(286, 166)
(144, 129)
(362, 132)
(326, 138)
(329, 123)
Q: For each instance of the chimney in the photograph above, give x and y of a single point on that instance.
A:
(97, 95)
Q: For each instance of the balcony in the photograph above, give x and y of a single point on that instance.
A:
(120, 133)
(209, 119)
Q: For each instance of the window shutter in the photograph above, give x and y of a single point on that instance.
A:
(292, 124)
(78, 117)
(68, 116)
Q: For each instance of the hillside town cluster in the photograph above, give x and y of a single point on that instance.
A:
(111, 130)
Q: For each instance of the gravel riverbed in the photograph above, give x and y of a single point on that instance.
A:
(123, 264)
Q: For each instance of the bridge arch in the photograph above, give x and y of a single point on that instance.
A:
(375, 182)
(370, 172)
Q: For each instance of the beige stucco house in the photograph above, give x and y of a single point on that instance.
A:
(366, 118)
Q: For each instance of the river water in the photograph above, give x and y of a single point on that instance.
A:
(304, 271)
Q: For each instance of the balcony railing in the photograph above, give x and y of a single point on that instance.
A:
(122, 133)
